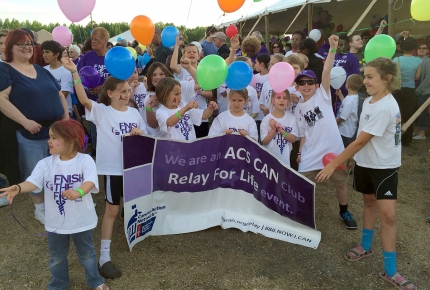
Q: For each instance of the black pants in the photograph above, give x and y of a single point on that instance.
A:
(202, 130)
(293, 155)
(407, 101)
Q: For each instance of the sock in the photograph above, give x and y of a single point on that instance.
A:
(366, 239)
(104, 252)
(343, 208)
(390, 263)
(39, 206)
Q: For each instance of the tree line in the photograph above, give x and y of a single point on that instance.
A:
(80, 33)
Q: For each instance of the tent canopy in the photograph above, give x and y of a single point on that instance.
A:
(345, 13)
(43, 35)
(125, 35)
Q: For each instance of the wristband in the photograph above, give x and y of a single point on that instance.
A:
(75, 71)
(299, 153)
(178, 115)
(148, 109)
(76, 82)
(19, 191)
(81, 192)
(285, 134)
(333, 50)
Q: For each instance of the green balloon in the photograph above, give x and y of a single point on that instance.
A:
(257, 0)
(381, 45)
(211, 72)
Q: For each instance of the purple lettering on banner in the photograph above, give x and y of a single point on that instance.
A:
(232, 161)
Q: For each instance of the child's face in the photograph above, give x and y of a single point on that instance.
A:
(296, 68)
(192, 52)
(306, 86)
(157, 76)
(49, 56)
(281, 101)
(174, 98)
(273, 61)
(121, 95)
(134, 76)
(373, 81)
(258, 66)
(57, 145)
(237, 103)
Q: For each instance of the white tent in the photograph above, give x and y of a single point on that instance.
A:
(125, 35)
(43, 35)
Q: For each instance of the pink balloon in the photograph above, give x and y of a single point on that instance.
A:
(76, 10)
(253, 81)
(62, 35)
(281, 76)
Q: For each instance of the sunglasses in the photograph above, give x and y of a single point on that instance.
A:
(22, 45)
(275, 46)
(304, 82)
(423, 48)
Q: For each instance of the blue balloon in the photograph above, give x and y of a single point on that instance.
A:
(168, 36)
(120, 62)
(146, 58)
(91, 32)
(239, 75)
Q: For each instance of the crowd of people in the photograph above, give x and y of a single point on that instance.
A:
(45, 134)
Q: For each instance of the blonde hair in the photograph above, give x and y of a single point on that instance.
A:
(278, 56)
(355, 82)
(164, 87)
(304, 57)
(243, 93)
(294, 59)
(388, 70)
(102, 32)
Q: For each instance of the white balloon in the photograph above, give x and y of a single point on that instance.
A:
(337, 77)
(315, 34)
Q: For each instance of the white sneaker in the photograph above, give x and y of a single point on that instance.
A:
(3, 201)
(40, 215)
(418, 137)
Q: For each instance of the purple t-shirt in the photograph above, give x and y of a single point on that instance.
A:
(323, 51)
(91, 58)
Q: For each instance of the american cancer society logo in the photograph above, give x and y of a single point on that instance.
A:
(141, 223)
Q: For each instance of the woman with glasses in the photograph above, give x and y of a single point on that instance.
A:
(30, 101)
(277, 48)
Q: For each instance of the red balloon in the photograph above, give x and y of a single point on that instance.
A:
(327, 158)
(339, 28)
(231, 31)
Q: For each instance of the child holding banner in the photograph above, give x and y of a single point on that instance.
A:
(67, 178)
(279, 128)
(377, 153)
(235, 119)
(318, 130)
(113, 118)
(175, 118)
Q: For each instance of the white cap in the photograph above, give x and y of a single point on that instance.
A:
(199, 46)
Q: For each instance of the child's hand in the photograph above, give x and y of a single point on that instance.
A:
(68, 64)
(229, 131)
(272, 123)
(333, 40)
(10, 192)
(136, 131)
(192, 105)
(265, 111)
(185, 62)
(134, 84)
(383, 23)
(405, 34)
(71, 194)
(213, 105)
(234, 42)
(294, 98)
(152, 102)
(278, 126)
(243, 132)
(299, 158)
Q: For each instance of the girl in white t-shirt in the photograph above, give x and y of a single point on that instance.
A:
(113, 118)
(138, 93)
(66, 177)
(235, 119)
(279, 128)
(176, 118)
(377, 151)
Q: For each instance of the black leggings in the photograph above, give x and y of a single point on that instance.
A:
(407, 101)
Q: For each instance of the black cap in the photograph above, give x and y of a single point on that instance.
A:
(29, 32)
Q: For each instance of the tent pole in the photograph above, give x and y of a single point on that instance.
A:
(361, 17)
(266, 26)
(309, 17)
(298, 13)
(256, 22)
(390, 17)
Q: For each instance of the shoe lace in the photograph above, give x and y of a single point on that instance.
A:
(347, 216)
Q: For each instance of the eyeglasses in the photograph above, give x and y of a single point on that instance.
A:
(423, 48)
(22, 45)
(275, 46)
(304, 82)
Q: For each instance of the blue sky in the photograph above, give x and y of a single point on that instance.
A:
(203, 12)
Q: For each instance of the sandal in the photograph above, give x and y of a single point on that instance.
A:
(399, 281)
(357, 253)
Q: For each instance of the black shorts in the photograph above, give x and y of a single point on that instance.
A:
(113, 188)
(381, 182)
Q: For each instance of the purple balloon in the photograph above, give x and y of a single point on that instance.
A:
(90, 77)
(273, 40)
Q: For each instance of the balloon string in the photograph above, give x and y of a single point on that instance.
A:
(246, 17)
(369, 28)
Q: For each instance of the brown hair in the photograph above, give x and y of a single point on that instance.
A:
(295, 59)
(12, 38)
(387, 69)
(252, 41)
(164, 87)
(191, 45)
(72, 132)
(355, 82)
(287, 93)
(152, 68)
(3, 32)
(110, 84)
(243, 93)
(102, 32)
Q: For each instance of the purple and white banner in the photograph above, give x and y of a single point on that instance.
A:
(174, 187)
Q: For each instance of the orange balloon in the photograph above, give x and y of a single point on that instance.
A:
(230, 5)
(142, 29)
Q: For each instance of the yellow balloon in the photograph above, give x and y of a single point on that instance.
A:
(142, 46)
(420, 10)
(133, 51)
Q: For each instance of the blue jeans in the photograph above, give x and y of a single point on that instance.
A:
(58, 266)
(30, 152)
(423, 119)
